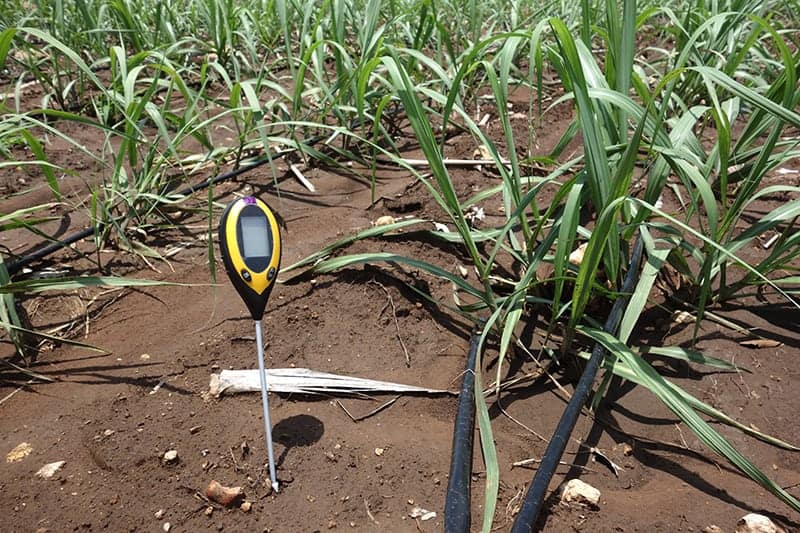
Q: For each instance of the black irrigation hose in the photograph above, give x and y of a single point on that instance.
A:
(555, 449)
(16, 265)
(457, 502)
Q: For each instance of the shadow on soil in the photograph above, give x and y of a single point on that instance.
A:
(297, 431)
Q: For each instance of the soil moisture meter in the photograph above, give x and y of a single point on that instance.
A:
(250, 245)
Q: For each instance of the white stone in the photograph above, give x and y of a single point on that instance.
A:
(422, 514)
(756, 523)
(171, 456)
(49, 470)
(384, 220)
(576, 490)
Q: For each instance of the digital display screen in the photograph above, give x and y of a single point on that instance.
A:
(256, 241)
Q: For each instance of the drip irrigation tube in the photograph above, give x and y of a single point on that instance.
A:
(16, 265)
(555, 449)
(457, 502)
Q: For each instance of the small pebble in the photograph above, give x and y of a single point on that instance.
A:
(166, 527)
(171, 456)
(384, 220)
(158, 514)
(246, 506)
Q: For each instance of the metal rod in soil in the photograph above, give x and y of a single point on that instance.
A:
(265, 404)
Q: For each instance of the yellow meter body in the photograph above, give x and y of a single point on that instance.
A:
(250, 245)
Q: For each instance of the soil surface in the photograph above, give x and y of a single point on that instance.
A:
(349, 463)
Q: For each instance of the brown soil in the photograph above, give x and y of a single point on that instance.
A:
(112, 417)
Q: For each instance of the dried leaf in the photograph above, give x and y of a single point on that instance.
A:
(761, 343)
(305, 381)
(576, 257)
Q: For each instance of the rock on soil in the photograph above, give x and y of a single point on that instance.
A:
(223, 495)
(756, 523)
(49, 470)
(576, 490)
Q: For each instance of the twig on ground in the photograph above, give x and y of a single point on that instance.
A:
(511, 507)
(526, 462)
(12, 393)
(301, 178)
(233, 458)
(520, 424)
(371, 413)
(369, 513)
(447, 162)
(390, 302)
(681, 435)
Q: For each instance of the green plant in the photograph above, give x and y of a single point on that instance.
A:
(619, 135)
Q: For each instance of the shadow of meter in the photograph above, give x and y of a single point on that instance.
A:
(250, 245)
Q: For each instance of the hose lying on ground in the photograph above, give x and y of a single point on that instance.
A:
(457, 502)
(16, 265)
(555, 449)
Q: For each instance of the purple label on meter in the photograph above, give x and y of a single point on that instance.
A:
(249, 200)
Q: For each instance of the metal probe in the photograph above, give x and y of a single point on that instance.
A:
(262, 373)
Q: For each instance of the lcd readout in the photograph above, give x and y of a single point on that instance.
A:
(255, 236)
